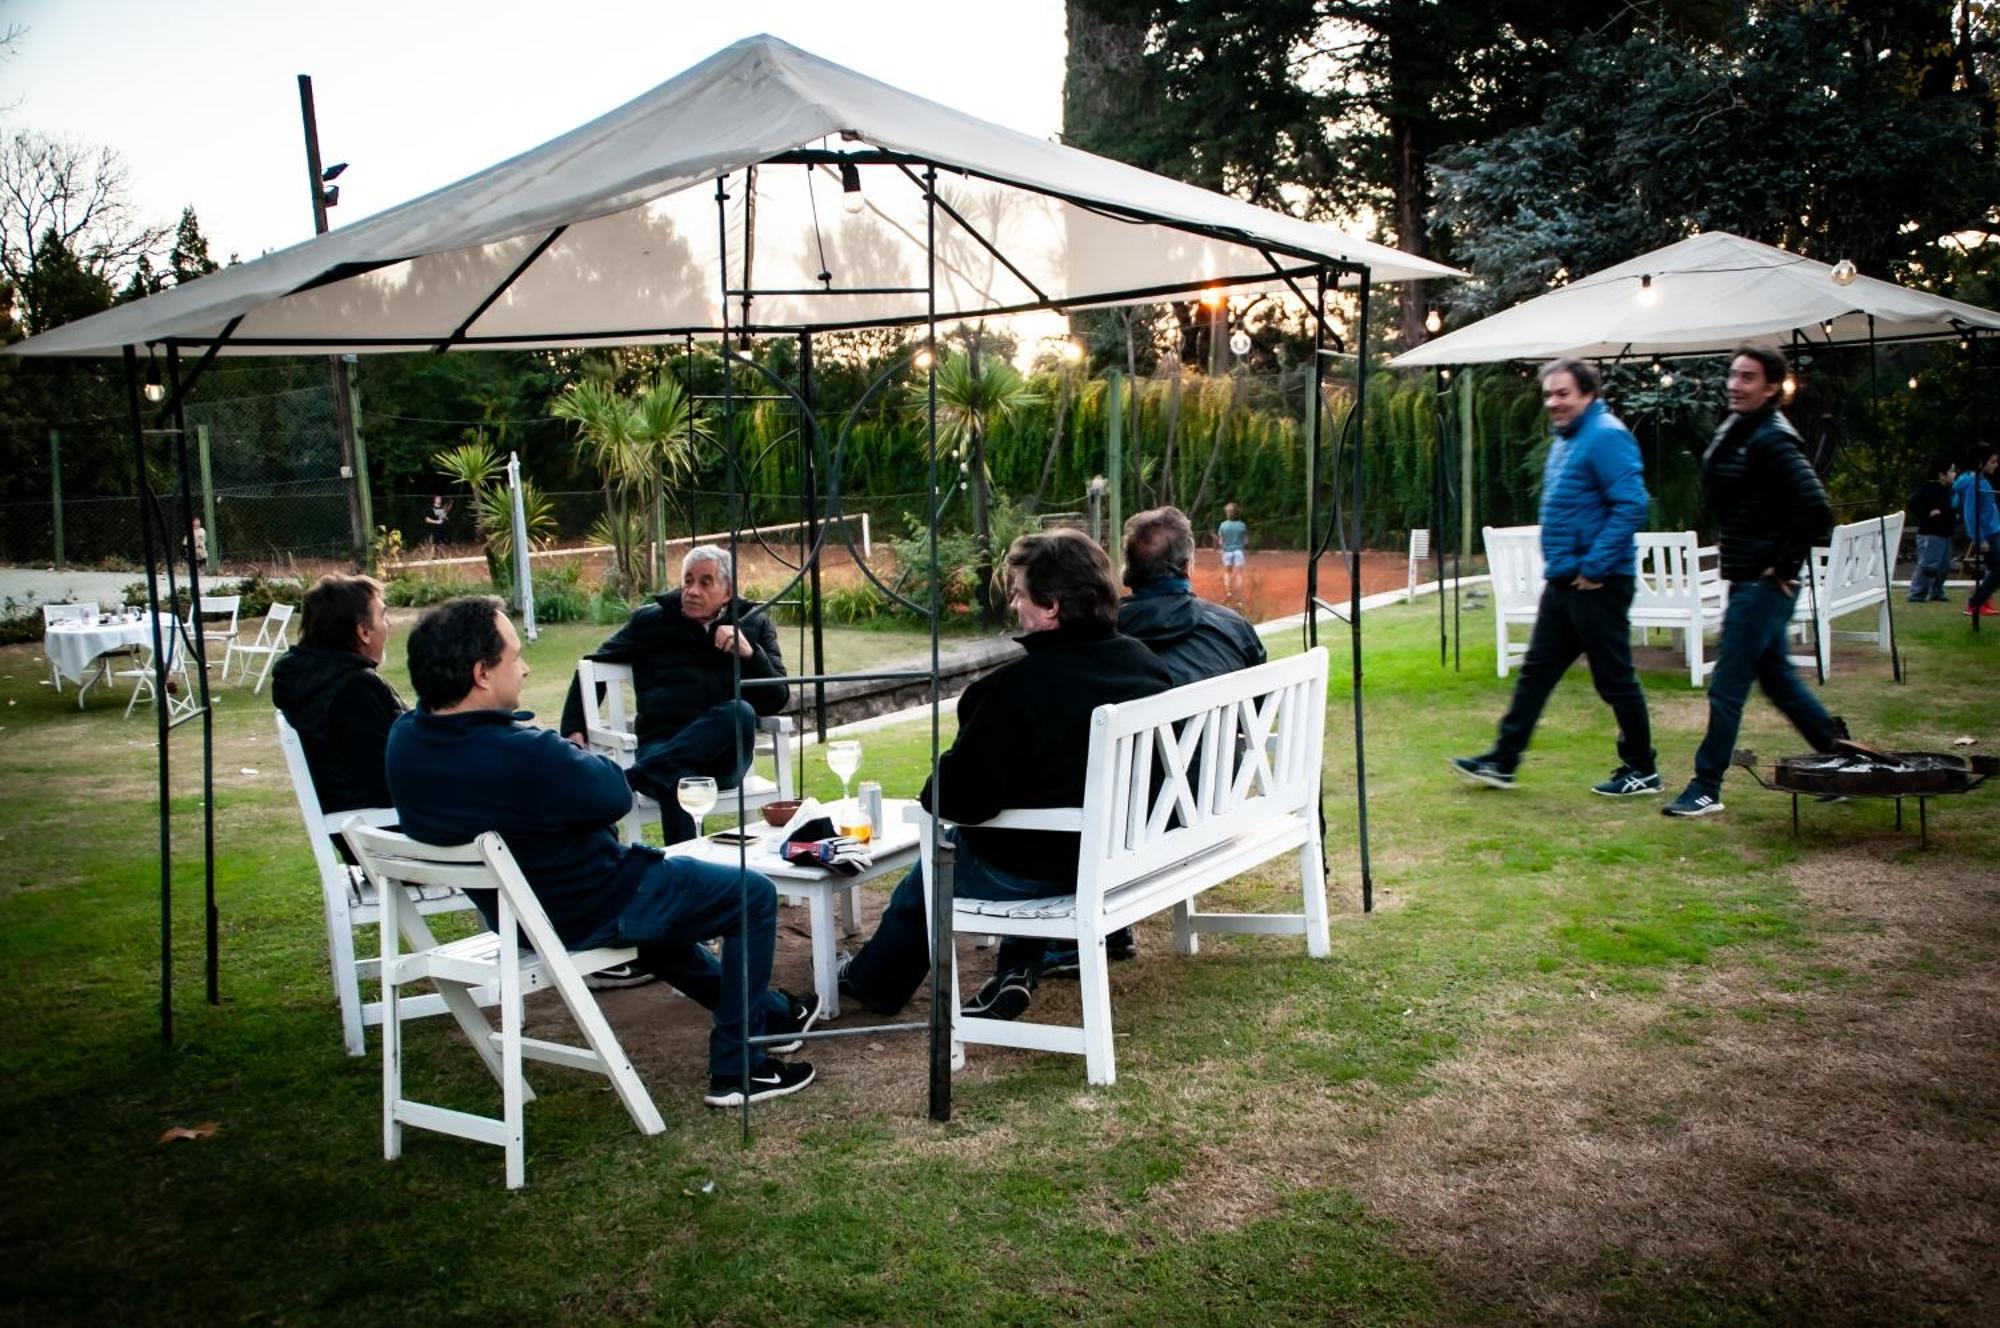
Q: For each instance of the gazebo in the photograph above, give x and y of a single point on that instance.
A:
(762, 193)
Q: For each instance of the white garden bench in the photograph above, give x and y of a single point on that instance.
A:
(1849, 573)
(1678, 587)
(1238, 759)
(1514, 556)
(608, 727)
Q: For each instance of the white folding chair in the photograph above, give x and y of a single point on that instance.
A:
(218, 621)
(1420, 549)
(350, 902)
(271, 641)
(523, 954)
(608, 727)
(181, 699)
(56, 613)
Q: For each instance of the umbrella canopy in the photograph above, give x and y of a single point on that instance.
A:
(1701, 296)
(613, 232)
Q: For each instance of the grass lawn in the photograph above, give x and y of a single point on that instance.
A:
(1583, 1064)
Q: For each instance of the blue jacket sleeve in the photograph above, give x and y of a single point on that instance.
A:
(1621, 477)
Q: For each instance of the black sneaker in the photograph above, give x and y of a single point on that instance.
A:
(1482, 770)
(769, 1080)
(1693, 802)
(1625, 782)
(1121, 945)
(618, 975)
(1005, 996)
(802, 1014)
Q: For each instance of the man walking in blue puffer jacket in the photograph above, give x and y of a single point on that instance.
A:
(1593, 501)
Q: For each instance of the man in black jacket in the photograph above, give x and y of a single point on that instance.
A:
(329, 690)
(1769, 512)
(1193, 638)
(1023, 741)
(465, 763)
(687, 649)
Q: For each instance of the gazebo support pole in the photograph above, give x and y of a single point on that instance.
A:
(1312, 460)
(1881, 501)
(211, 931)
(941, 858)
(812, 537)
(1441, 414)
(159, 699)
(1354, 593)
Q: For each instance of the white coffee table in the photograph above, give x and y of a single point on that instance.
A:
(895, 852)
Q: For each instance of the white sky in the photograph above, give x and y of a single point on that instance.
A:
(200, 97)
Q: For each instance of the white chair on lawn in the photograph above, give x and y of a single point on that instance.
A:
(58, 613)
(524, 954)
(1514, 555)
(1420, 550)
(181, 699)
(271, 641)
(608, 720)
(350, 902)
(218, 622)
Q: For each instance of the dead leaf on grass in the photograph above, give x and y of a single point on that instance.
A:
(205, 1130)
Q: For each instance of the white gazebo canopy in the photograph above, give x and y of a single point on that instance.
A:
(613, 233)
(1702, 296)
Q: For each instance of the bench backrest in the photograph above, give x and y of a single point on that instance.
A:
(612, 710)
(1670, 574)
(1232, 753)
(1514, 555)
(1852, 569)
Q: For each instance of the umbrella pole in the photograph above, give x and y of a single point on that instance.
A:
(1442, 414)
(159, 701)
(1354, 593)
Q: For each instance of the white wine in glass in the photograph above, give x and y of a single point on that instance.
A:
(696, 796)
(844, 759)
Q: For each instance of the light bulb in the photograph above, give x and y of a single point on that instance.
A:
(1214, 299)
(154, 392)
(1791, 387)
(851, 198)
(1666, 380)
(1433, 322)
(1239, 343)
(1070, 351)
(1913, 382)
(1843, 273)
(924, 358)
(1648, 292)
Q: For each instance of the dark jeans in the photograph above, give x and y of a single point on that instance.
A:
(1596, 624)
(1753, 649)
(680, 904)
(887, 971)
(718, 743)
(1933, 561)
(1991, 581)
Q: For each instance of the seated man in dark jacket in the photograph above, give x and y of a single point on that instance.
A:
(1193, 638)
(329, 691)
(687, 649)
(465, 763)
(1023, 741)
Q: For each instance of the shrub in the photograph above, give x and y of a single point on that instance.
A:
(406, 592)
(560, 596)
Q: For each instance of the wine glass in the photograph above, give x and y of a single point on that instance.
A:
(844, 759)
(696, 795)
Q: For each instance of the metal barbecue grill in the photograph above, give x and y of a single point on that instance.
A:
(1853, 770)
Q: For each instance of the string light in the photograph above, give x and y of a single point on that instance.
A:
(1791, 387)
(1433, 322)
(1648, 293)
(1239, 343)
(924, 358)
(1843, 273)
(851, 199)
(1070, 351)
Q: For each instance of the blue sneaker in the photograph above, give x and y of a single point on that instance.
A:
(1693, 802)
(1625, 782)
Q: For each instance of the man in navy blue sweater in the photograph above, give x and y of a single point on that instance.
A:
(1593, 501)
(464, 763)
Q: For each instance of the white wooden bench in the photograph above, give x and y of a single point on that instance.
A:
(349, 901)
(1239, 784)
(1514, 555)
(609, 717)
(1420, 549)
(1849, 573)
(1678, 587)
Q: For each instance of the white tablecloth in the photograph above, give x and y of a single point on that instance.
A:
(72, 647)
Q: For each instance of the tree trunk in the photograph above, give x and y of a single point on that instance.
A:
(1055, 445)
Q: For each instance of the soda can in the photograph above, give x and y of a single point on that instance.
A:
(871, 804)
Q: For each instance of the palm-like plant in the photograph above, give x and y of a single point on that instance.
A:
(496, 518)
(635, 445)
(478, 467)
(975, 393)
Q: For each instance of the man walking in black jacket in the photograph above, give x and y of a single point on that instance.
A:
(1023, 741)
(687, 649)
(1769, 512)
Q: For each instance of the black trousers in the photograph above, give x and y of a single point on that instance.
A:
(1597, 625)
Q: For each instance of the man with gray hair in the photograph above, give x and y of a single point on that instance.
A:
(1593, 502)
(686, 649)
(1193, 638)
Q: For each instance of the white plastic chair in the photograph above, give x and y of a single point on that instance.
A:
(350, 902)
(271, 641)
(181, 699)
(213, 608)
(524, 954)
(1420, 550)
(56, 613)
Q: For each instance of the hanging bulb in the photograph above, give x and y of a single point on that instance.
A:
(1648, 293)
(1239, 343)
(924, 358)
(851, 198)
(1913, 382)
(154, 391)
(1667, 379)
(1070, 351)
(1791, 386)
(1433, 322)
(1843, 273)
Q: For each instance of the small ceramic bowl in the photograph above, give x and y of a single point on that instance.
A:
(777, 813)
